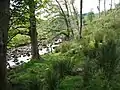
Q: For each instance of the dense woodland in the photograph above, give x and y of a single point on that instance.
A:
(50, 45)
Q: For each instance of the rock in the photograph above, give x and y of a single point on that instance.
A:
(28, 54)
(19, 55)
(21, 62)
(24, 55)
(17, 63)
(15, 60)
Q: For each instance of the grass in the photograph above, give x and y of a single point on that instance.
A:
(71, 83)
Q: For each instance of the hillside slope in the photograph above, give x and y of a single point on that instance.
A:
(91, 63)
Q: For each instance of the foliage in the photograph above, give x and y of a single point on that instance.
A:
(64, 47)
(71, 83)
(52, 80)
(89, 63)
(90, 16)
(63, 67)
(27, 77)
(19, 40)
(37, 75)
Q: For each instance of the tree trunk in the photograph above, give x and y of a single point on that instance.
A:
(111, 4)
(33, 31)
(76, 16)
(65, 19)
(99, 8)
(68, 17)
(105, 7)
(4, 23)
(81, 6)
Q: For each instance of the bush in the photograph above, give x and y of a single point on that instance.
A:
(19, 40)
(71, 83)
(51, 80)
(105, 60)
(64, 47)
(30, 76)
(63, 67)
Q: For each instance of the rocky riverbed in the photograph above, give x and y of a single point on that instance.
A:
(20, 55)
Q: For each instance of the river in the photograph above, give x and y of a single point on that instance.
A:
(20, 55)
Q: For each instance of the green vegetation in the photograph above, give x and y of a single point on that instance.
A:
(91, 63)
(87, 59)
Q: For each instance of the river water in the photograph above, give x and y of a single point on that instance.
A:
(20, 55)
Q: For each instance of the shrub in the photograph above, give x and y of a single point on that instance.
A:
(64, 47)
(71, 83)
(51, 80)
(108, 59)
(63, 67)
(28, 76)
(105, 60)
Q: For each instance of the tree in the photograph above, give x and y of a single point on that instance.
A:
(81, 6)
(111, 4)
(33, 31)
(66, 17)
(98, 7)
(19, 19)
(105, 7)
(23, 21)
(4, 23)
(75, 14)
(90, 16)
